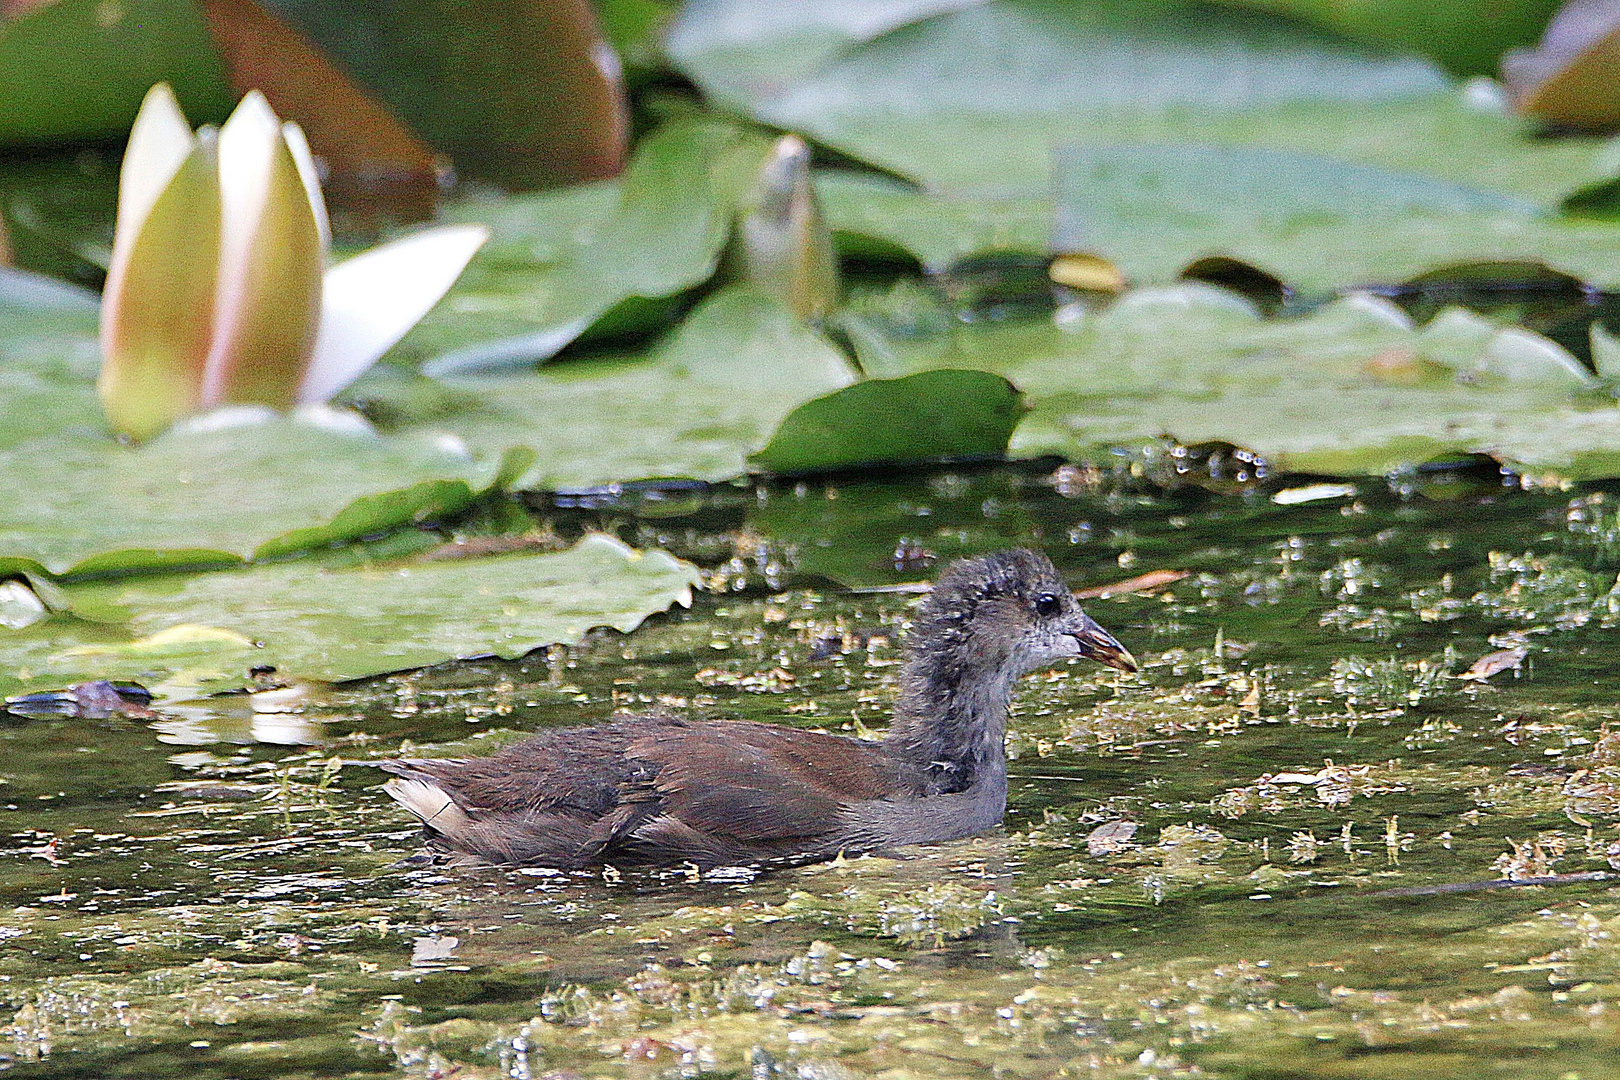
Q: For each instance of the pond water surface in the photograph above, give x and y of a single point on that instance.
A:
(1194, 875)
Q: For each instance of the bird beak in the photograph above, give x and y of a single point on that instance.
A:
(1100, 645)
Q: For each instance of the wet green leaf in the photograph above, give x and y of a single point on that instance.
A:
(930, 416)
(1468, 36)
(1316, 222)
(345, 623)
(77, 69)
(76, 501)
(974, 102)
(1351, 389)
(875, 214)
(694, 407)
(562, 263)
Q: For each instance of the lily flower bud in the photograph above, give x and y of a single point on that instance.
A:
(219, 291)
(783, 245)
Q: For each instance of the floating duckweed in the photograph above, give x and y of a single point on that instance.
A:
(1391, 683)
(1595, 528)
(1533, 588)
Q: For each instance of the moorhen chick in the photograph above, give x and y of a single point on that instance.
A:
(659, 790)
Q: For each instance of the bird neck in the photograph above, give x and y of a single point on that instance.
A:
(951, 720)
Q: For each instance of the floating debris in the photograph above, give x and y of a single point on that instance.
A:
(1495, 663)
(1313, 493)
(96, 700)
(1152, 581)
(1110, 838)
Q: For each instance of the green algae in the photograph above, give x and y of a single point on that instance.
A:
(1191, 874)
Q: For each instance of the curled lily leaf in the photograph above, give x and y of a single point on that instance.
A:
(219, 291)
(783, 245)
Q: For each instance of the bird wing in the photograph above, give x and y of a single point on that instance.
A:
(744, 783)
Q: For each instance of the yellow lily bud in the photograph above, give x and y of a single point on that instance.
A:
(219, 291)
(783, 244)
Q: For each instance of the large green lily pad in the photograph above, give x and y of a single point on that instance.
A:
(1177, 133)
(197, 634)
(1316, 222)
(1354, 388)
(1468, 36)
(78, 69)
(326, 623)
(696, 407)
(873, 214)
(929, 416)
(975, 102)
(74, 500)
(78, 502)
(564, 262)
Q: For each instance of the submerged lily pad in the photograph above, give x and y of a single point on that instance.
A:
(345, 623)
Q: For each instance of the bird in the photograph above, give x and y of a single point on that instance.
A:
(656, 790)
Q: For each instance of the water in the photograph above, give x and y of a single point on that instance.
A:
(216, 892)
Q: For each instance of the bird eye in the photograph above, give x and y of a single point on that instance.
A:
(1047, 605)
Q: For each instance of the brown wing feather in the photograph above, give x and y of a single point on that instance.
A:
(760, 784)
(661, 789)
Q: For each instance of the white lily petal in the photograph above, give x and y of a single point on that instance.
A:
(225, 418)
(311, 176)
(268, 297)
(370, 301)
(159, 144)
(160, 140)
(247, 147)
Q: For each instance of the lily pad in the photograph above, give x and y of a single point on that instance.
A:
(871, 214)
(102, 58)
(1316, 222)
(336, 624)
(696, 407)
(974, 102)
(1353, 388)
(74, 500)
(78, 502)
(1468, 36)
(563, 262)
(930, 416)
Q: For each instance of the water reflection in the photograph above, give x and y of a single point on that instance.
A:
(272, 717)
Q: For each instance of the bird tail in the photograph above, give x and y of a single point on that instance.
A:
(431, 803)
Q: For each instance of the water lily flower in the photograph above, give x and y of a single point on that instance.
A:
(219, 290)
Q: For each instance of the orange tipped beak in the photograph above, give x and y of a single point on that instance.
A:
(1101, 646)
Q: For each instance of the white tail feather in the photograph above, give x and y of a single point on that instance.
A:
(430, 803)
